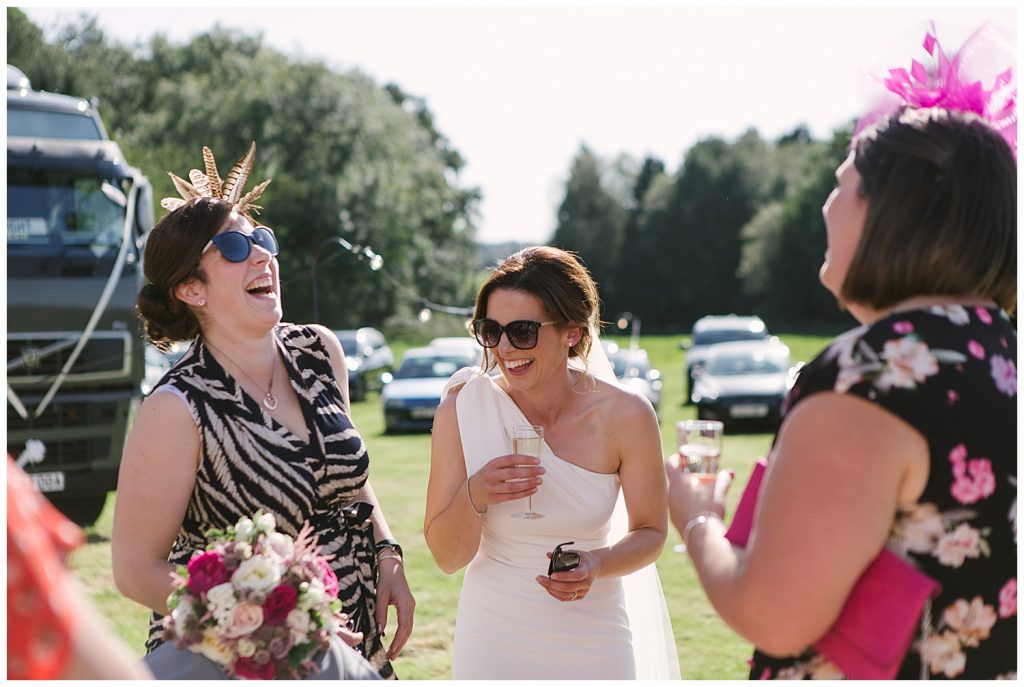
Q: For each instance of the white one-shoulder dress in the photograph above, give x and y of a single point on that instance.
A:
(507, 625)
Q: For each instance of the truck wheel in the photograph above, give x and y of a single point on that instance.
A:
(83, 511)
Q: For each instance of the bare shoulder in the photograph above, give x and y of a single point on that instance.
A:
(623, 404)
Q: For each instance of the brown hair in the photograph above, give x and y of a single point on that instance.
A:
(558, 279)
(173, 249)
(941, 191)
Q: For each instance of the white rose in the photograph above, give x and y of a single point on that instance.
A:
(213, 648)
(278, 544)
(245, 648)
(267, 522)
(222, 596)
(299, 622)
(244, 528)
(258, 573)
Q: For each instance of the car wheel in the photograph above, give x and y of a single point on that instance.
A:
(83, 511)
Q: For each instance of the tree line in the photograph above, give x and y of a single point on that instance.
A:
(348, 157)
(736, 228)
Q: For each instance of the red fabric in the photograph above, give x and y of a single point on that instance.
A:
(39, 590)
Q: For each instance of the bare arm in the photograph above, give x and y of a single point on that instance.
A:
(96, 653)
(841, 467)
(645, 493)
(451, 524)
(157, 475)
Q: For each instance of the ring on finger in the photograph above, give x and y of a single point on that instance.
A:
(575, 595)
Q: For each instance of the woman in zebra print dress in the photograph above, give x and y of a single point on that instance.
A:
(254, 416)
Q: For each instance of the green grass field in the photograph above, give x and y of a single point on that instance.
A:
(708, 649)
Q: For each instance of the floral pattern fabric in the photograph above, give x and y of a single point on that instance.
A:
(951, 373)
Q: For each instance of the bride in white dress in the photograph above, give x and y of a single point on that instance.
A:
(601, 446)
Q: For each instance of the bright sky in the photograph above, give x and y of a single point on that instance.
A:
(517, 90)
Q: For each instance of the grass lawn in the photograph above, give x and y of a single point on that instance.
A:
(707, 648)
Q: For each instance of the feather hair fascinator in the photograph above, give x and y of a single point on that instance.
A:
(208, 184)
(979, 78)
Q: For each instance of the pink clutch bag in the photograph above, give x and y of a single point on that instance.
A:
(873, 631)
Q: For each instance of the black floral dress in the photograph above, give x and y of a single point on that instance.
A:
(951, 373)
(249, 461)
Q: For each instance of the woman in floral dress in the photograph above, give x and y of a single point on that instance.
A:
(902, 433)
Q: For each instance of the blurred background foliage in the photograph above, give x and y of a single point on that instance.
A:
(736, 227)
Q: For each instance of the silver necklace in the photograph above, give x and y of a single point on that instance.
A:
(269, 399)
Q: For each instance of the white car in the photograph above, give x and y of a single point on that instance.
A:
(411, 398)
(712, 330)
(633, 371)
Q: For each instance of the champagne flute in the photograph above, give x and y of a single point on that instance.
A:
(527, 440)
(700, 452)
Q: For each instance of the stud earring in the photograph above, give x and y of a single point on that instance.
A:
(202, 302)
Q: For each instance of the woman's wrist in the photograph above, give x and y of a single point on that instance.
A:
(472, 503)
(696, 521)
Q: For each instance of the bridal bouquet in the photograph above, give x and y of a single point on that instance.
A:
(256, 601)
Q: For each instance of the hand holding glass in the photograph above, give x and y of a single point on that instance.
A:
(700, 448)
(527, 440)
(700, 452)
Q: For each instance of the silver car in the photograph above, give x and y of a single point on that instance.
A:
(633, 371)
(712, 330)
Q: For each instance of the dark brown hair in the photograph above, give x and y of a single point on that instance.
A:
(173, 249)
(941, 191)
(558, 279)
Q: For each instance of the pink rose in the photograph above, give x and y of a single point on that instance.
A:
(1008, 599)
(279, 604)
(983, 315)
(976, 349)
(206, 571)
(249, 669)
(329, 579)
(902, 327)
(280, 646)
(245, 618)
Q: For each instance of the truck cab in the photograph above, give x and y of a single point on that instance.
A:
(77, 217)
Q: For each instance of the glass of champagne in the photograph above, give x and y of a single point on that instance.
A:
(700, 452)
(527, 440)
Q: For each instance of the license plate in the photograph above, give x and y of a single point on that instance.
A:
(49, 481)
(421, 413)
(749, 410)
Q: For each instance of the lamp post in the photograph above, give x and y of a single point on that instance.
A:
(366, 253)
(629, 319)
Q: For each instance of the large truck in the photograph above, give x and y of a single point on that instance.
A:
(77, 218)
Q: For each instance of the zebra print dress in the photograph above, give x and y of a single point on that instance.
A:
(249, 461)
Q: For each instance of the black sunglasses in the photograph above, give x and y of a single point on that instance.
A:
(236, 246)
(521, 333)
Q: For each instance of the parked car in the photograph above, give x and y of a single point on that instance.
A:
(412, 396)
(744, 381)
(633, 370)
(716, 329)
(367, 356)
(466, 343)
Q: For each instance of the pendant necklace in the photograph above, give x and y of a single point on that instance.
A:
(269, 399)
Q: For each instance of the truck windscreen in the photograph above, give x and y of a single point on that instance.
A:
(35, 123)
(61, 212)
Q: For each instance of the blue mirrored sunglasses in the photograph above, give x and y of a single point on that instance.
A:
(236, 246)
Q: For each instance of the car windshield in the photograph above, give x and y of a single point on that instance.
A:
(46, 124)
(746, 364)
(348, 344)
(716, 336)
(432, 366)
(625, 365)
(53, 211)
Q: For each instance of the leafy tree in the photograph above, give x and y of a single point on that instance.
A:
(348, 158)
(592, 218)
